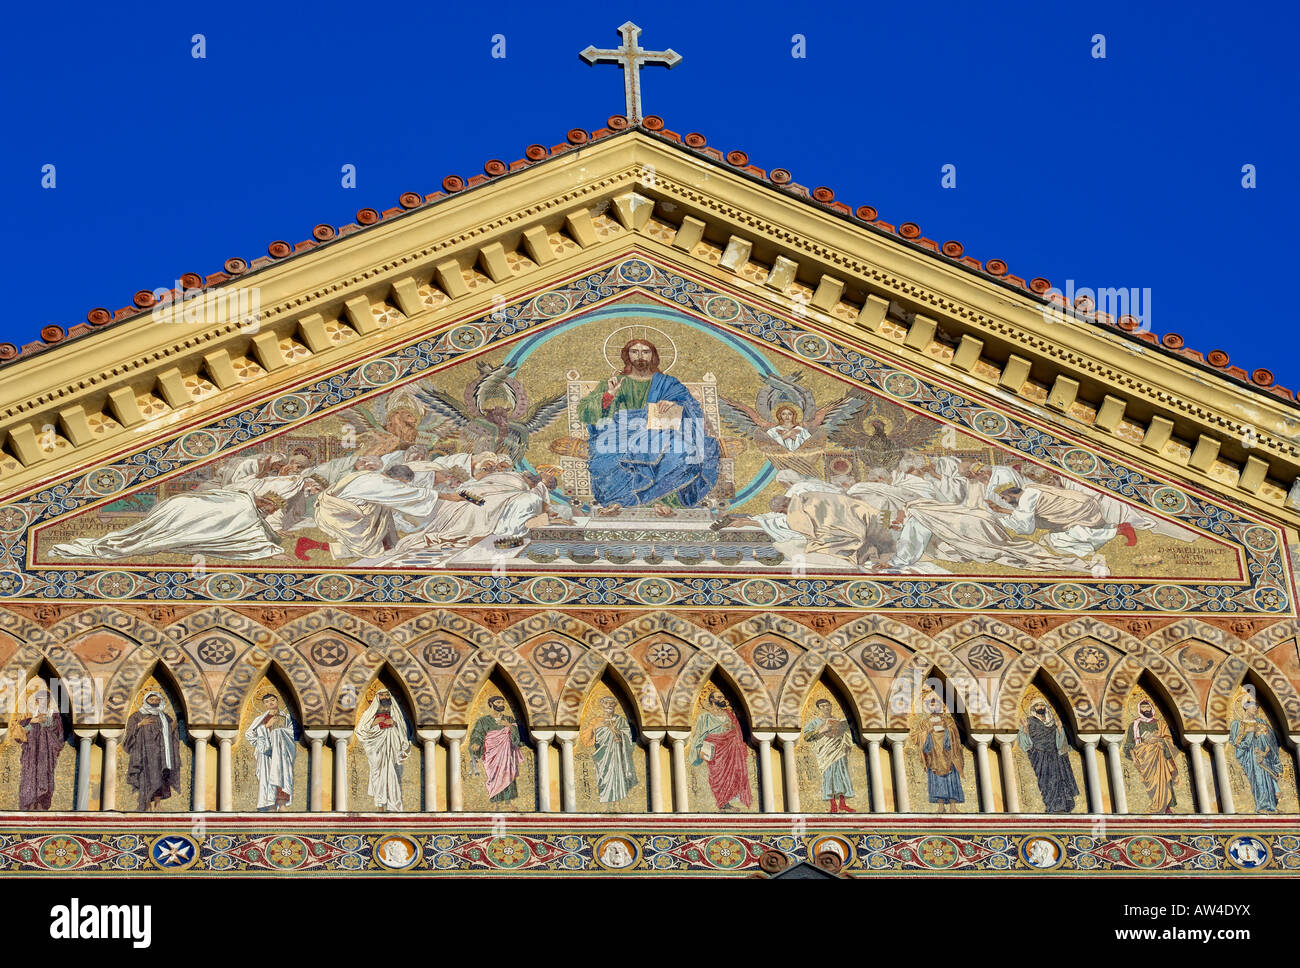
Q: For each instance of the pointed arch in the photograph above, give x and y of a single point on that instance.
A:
(300, 679)
(418, 689)
(441, 620)
(527, 685)
(1082, 712)
(617, 664)
(187, 680)
(219, 618)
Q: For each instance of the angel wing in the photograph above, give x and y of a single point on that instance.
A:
(834, 415)
(495, 384)
(915, 433)
(742, 419)
(441, 403)
(546, 413)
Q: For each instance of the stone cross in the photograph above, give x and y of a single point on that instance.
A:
(630, 57)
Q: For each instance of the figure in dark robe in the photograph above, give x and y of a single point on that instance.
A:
(153, 744)
(1043, 739)
(42, 736)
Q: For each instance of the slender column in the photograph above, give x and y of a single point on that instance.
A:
(568, 783)
(429, 739)
(199, 797)
(653, 743)
(1010, 783)
(1119, 798)
(544, 738)
(225, 786)
(108, 777)
(983, 773)
(455, 789)
(877, 777)
(1091, 778)
(316, 768)
(678, 740)
(902, 802)
(1221, 773)
(1195, 751)
(766, 784)
(790, 772)
(340, 737)
(85, 739)
(1295, 754)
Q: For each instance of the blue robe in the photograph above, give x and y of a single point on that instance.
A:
(631, 465)
(1263, 783)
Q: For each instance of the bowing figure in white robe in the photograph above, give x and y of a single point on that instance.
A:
(383, 734)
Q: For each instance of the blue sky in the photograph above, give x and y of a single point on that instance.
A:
(1117, 172)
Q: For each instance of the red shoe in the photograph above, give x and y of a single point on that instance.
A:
(1130, 536)
(305, 545)
(844, 806)
(835, 805)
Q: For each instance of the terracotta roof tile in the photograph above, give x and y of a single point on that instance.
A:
(779, 178)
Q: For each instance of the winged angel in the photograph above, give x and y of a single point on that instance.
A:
(496, 413)
(786, 424)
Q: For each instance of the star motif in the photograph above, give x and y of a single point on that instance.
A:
(173, 852)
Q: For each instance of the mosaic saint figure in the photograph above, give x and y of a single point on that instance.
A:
(832, 740)
(275, 744)
(383, 735)
(647, 438)
(153, 744)
(1042, 737)
(613, 749)
(42, 735)
(1255, 745)
(719, 741)
(1148, 744)
(936, 737)
(495, 741)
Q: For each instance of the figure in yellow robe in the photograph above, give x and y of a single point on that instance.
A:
(1148, 744)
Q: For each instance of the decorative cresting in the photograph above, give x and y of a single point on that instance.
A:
(1032, 656)
(249, 669)
(711, 653)
(1186, 706)
(601, 655)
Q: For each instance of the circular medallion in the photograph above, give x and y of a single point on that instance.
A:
(811, 347)
(1089, 658)
(200, 443)
(1261, 539)
(902, 385)
(727, 853)
(759, 592)
(216, 651)
(1170, 598)
(289, 407)
(174, 852)
(1068, 596)
(967, 594)
(226, 586)
(1194, 660)
(442, 588)
(552, 655)
(1269, 599)
(879, 657)
(654, 591)
(11, 584)
(396, 852)
(441, 654)
(937, 853)
(12, 519)
(771, 656)
(466, 337)
(864, 594)
(329, 653)
(60, 853)
(990, 423)
(115, 584)
(831, 845)
(634, 270)
(379, 373)
(1042, 852)
(1247, 852)
(1168, 499)
(722, 308)
(1145, 852)
(663, 655)
(333, 588)
(550, 304)
(286, 853)
(548, 591)
(616, 853)
(1079, 461)
(105, 480)
(985, 657)
(508, 852)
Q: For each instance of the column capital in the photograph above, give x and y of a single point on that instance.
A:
(80, 733)
(428, 735)
(984, 738)
(454, 734)
(1006, 737)
(202, 735)
(896, 737)
(340, 735)
(1090, 738)
(678, 735)
(111, 733)
(315, 735)
(225, 735)
(764, 736)
(788, 737)
(566, 735)
(1195, 739)
(1217, 738)
(1112, 739)
(544, 736)
(654, 735)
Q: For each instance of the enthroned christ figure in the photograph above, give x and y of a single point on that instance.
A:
(648, 442)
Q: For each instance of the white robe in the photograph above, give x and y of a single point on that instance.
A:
(1074, 518)
(386, 750)
(275, 750)
(358, 512)
(509, 503)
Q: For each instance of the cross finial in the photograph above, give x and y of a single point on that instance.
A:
(631, 58)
